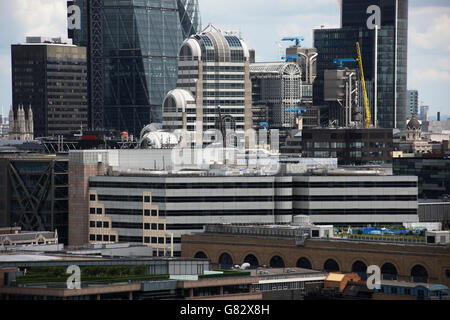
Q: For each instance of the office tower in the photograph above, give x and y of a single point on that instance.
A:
(51, 76)
(424, 110)
(413, 103)
(213, 76)
(279, 86)
(132, 49)
(388, 106)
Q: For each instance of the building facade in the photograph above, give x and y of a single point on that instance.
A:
(350, 146)
(279, 86)
(51, 76)
(413, 103)
(213, 85)
(409, 262)
(183, 202)
(433, 175)
(34, 194)
(132, 49)
(385, 72)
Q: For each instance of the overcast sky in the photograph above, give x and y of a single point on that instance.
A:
(262, 24)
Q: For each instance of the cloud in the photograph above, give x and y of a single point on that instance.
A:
(429, 28)
(41, 17)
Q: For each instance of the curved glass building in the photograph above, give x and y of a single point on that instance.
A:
(133, 57)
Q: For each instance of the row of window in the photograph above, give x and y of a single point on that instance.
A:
(343, 145)
(358, 198)
(355, 211)
(102, 237)
(358, 184)
(200, 213)
(197, 199)
(183, 186)
(155, 240)
(99, 224)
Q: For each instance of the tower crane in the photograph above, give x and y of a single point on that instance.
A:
(296, 39)
(368, 117)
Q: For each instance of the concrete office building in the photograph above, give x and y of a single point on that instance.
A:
(50, 75)
(279, 86)
(384, 75)
(132, 48)
(213, 74)
(413, 103)
(183, 202)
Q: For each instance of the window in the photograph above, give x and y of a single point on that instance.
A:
(147, 226)
(99, 224)
(99, 211)
(147, 199)
(407, 291)
(161, 240)
(106, 224)
(160, 226)
(92, 197)
(394, 290)
(112, 238)
(168, 240)
(154, 226)
(315, 233)
(92, 237)
(154, 240)
(154, 213)
(92, 224)
(92, 210)
(105, 237)
(146, 239)
(98, 237)
(147, 213)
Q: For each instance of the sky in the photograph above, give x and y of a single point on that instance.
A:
(262, 23)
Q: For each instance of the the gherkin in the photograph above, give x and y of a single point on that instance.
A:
(133, 47)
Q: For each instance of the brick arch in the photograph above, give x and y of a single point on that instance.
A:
(274, 254)
(197, 251)
(421, 263)
(253, 253)
(306, 256)
(339, 263)
(219, 254)
(395, 264)
(352, 262)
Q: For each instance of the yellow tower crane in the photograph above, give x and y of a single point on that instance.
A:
(368, 118)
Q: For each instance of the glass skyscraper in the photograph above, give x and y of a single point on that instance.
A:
(391, 80)
(133, 55)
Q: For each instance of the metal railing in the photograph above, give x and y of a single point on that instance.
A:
(392, 239)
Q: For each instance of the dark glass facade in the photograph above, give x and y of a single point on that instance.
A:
(349, 146)
(133, 47)
(392, 55)
(433, 175)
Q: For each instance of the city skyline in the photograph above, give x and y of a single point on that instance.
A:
(429, 34)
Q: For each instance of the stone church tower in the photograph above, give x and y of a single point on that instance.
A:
(21, 125)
